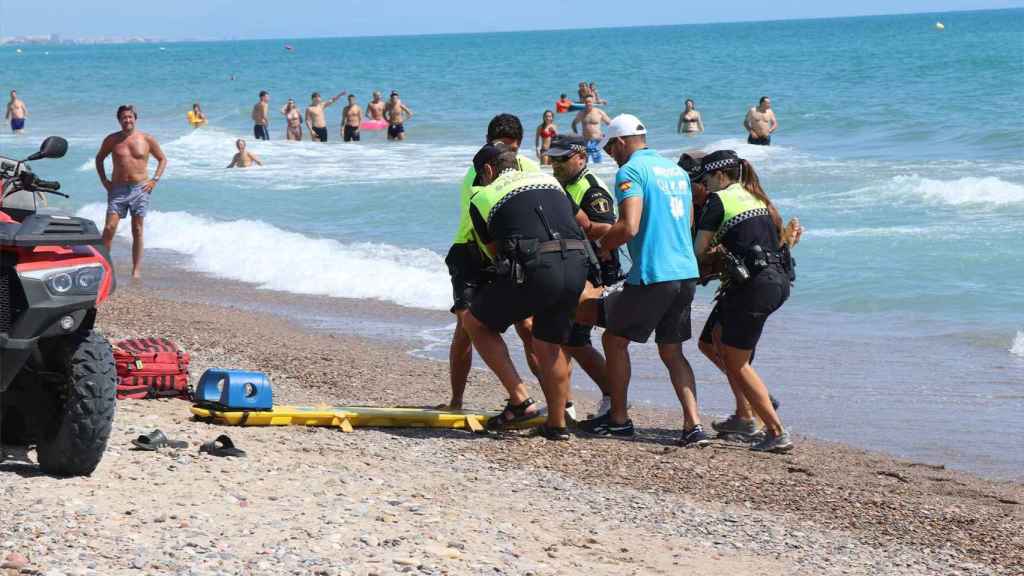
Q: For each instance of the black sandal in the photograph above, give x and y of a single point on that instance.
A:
(156, 440)
(511, 415)
(222, 446)
(552, 433)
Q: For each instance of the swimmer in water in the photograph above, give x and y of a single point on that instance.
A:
(244, 158)
(690, 121)
(293, 118)
(542, 138)
(195, 116)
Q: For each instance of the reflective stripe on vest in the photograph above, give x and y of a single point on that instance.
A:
(489, 199)
(585, 182)
(738, 205)
(464, 233)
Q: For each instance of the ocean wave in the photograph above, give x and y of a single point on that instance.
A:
(275, 259)
(870, 232)
(203, 154)
(1017, 348)
(969, 190)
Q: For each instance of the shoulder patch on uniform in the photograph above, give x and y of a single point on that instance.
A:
(600, 205)
(625, 186)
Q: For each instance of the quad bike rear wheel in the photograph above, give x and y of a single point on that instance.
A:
(76, 435)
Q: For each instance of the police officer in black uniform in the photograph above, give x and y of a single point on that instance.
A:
(527, 222)
(742, 229)
(568, 154)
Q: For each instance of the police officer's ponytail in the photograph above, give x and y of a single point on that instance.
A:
(748, 178)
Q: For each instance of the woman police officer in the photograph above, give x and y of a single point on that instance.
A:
(742, 229)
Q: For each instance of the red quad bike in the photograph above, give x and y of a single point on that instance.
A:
(57, 375)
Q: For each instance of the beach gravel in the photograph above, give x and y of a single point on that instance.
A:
(419, 501)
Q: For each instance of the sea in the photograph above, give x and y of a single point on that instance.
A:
(900, 147)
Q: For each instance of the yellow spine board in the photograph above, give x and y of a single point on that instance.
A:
(346, 417)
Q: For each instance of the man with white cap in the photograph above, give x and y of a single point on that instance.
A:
(655, 214)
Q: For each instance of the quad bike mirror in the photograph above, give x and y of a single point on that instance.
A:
(52, 147)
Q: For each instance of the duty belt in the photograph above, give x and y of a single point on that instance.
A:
(561, 246)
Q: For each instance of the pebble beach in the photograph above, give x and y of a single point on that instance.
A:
(393, 501)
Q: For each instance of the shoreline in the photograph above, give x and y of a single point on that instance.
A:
(391, 500)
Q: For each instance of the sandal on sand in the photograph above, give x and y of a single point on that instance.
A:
(221, 446)
(156, 440)
(511, 415)
(552, 433)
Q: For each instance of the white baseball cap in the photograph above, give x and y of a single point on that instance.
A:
(623, 125)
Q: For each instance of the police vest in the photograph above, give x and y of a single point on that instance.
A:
(489, 198)
(464, 233)
(738, 205)
(585, 182)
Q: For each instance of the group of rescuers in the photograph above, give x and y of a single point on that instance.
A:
(534, 251)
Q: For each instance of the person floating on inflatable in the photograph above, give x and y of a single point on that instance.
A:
(195, 116)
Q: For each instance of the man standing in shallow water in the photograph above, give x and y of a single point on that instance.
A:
(316, 119)
(396, 114)
(130, 186)
(760, 123)
(16, 113)
(375, 109)
(351, 119)
(591, 118)
(261, 117)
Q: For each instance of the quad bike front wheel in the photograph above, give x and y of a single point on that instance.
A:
(83, 413)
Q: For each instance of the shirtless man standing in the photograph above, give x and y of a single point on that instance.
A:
(16, 113)
(396, 114)
(261, 117)
(591, 118)
(244, 158)
(760, 123)
(130, 186)
(315, 117)
(351, 118)
(375, 109)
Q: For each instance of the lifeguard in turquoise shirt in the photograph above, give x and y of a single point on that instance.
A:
(655, 213)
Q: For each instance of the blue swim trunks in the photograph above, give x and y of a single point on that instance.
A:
(594, 151)
(17, 123)
(125, 197)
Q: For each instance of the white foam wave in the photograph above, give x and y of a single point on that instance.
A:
(962, 191)
(203, 154)
(870, 232)
(272, 258)
(1017, 349)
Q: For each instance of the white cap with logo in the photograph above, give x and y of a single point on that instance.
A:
(623, 125)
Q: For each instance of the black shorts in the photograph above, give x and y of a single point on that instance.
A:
(579, 336)
(744, 309)
(259, 131)
(395, 129)
(662, 307)
(467, 270)
(321, 133)
(707, 334)
(351, 133)
(550, 294)
(763, 141)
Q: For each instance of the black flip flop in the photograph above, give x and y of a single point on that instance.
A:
(156, 440)
(222, 446)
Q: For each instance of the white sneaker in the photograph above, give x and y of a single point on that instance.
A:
(604, 407)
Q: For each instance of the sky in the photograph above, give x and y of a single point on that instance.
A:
(226, 19)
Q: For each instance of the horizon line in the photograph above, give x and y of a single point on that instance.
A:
(155, 39)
